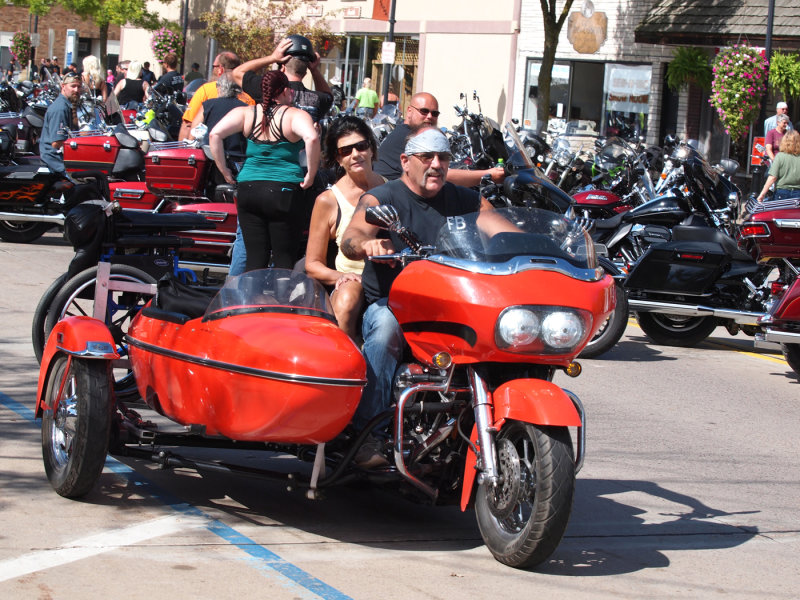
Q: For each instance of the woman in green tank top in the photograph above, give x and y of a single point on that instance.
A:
(268, 195)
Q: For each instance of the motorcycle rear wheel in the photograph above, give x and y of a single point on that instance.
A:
(672, 330)
(612, 330)
(75, 431)
(792, 354)
(39, 331)
(523, 520)
(22, 232)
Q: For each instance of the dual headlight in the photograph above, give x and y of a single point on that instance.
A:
(542, 329)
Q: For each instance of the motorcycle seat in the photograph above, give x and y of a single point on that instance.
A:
(609, 224)
(688, 233)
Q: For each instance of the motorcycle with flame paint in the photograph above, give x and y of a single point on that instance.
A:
(261, 364)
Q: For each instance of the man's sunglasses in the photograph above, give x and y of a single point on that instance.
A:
(344, 151)
(426, 111)
(427, 157)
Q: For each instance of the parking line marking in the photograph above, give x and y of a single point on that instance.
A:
(94, 545)
(258, 556)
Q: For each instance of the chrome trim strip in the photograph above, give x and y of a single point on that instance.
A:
(519, 264)
(223, 366)
(102, 351)
(788, 223)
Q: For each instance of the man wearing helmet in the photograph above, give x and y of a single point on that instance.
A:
(296, 57)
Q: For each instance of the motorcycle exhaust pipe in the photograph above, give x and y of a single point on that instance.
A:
(778, 337)
(20, 217)
(688, 310)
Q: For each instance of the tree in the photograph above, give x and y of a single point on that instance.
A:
(102, 13)
(552, 29)
(261, 25)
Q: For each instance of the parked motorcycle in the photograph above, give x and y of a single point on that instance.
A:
(681, 290)
(477, 417)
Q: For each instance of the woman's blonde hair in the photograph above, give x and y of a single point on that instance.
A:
(134, 70)
(92, 71)
(791, 143)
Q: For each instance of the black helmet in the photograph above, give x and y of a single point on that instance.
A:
(301, 48)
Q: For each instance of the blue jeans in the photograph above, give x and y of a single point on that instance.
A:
(383, 348)
(786, 193)
(238, 254)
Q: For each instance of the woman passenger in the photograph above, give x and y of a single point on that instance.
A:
(93, 79)
(350, 148)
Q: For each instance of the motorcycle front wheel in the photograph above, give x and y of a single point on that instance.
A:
(674, 330)
(523, 518)
(22, 232)
(75, 429)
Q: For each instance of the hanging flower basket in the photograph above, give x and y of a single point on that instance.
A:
(739, 84)
(164, 41)
(21, 47)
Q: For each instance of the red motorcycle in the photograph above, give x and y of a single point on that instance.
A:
(770, 232)
(262, 365)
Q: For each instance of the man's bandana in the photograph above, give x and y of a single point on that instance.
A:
(430, 140)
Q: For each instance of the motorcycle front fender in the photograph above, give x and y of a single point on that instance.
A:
(82, 337)
(532, 401)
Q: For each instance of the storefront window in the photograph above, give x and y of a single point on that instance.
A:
(627, 94)
(559, 94)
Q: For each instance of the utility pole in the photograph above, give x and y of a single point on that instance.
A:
(387, 76)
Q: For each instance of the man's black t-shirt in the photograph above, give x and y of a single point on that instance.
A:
(317, 104)
(169, 82)
(425, 217)
(388, 163)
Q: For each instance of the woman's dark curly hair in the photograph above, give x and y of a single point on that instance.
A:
(272, 86)
(338, 129)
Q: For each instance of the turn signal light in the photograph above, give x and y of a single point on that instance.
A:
(442, 360)
(573, 369)
(777, 288)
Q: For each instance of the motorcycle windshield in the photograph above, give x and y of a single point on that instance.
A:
(519, 239)
(271, 290)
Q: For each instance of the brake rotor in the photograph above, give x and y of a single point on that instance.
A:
(506, 495)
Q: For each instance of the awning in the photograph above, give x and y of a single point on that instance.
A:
(720, 23)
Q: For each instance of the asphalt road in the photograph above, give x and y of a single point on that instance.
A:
(690, 489)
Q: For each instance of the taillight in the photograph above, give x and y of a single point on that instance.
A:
(753, 229)
(777, 288)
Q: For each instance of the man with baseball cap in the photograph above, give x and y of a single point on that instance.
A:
(781, 108)
(58, 120)
(425, 202)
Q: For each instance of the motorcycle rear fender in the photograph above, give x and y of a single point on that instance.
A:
(83, 337)
(529, 400)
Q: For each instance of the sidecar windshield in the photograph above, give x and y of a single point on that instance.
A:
(271, 290)
(521, 237)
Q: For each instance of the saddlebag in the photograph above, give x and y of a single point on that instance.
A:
(679, 268)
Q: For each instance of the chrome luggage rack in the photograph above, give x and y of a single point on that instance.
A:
(10, 115)
(173, 145)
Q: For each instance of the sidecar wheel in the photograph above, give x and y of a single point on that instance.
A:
(792, 354)
(39, 331)
(612, 330)
(22, 232)
(673, 330)
(523, 520)
(75, 431)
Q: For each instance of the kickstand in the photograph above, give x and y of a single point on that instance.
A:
(319, 465)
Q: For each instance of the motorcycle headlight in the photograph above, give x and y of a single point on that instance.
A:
(542, 329)
(562, 329)
(518, 327)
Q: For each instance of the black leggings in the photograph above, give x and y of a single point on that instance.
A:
(270, 214)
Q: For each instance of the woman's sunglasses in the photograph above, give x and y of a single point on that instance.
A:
(344, 151)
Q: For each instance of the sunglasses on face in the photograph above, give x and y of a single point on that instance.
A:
(343, 151)
(427, 157)
(426, 111)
